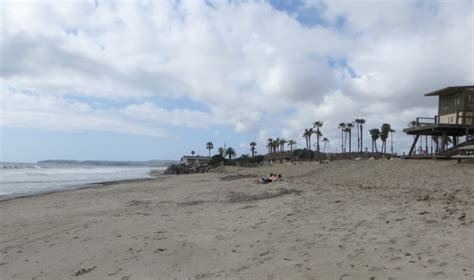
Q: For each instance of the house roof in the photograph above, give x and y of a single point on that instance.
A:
(448, 91)
(195, 158)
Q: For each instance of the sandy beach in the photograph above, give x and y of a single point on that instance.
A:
(368, 219)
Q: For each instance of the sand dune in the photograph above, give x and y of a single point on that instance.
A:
(381, 219)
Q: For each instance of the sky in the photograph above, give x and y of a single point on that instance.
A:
(143, 80)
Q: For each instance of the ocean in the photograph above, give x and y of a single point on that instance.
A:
(25, 179)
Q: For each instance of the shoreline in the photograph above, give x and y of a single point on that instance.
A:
(154, 174)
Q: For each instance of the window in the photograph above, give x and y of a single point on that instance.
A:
(457, 101)
(470, 98)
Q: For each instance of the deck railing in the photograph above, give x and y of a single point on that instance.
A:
(464, 117)
(426, 120)
(461, 118)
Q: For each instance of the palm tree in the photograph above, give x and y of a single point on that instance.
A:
(307, 135)
(358, 137)
(252, 148)
(209, 146)
(435, 139)
(282, 144)
(361, 124)
(221, 151)
(275, 145)
(391, 140)
(446, 140)
(349, 127)
(325, 140)
(230, 152)
(317, 125)
(385, 130)
(309, 132)
(342, 126)
(269, 145)
(318, 136)
(346, 133)
(291, 143)
(375, 134)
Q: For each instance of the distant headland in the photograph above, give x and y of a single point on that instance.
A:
(152, 163)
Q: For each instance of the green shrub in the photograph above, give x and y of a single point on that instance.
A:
(216, 160)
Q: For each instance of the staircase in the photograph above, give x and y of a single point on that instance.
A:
(448, 153)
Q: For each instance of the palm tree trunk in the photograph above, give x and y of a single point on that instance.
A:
(307, 148)
(317, 139)
(350, 140)
(342, 141)
(345, 142)
(358, 140)
(426, 143)
(361, 139)
(391, 143)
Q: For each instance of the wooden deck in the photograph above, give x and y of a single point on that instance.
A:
(438, 129)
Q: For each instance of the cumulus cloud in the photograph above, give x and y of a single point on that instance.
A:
(256, 68)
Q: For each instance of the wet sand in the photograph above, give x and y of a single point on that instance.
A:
(380, 219)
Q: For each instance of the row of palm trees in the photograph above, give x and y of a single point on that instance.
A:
(346, 134)
(278, 144)
(384, 133)
(229, 152)
(316, 129)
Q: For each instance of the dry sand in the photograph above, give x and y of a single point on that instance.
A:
(380, 219)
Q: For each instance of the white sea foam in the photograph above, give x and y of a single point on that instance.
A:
(29, 179)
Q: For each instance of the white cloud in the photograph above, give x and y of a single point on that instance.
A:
(177, 117)
(55, 113)
(256, 68)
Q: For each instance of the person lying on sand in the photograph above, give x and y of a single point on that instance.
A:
(264, 179)
(277, 178)
(269, 179)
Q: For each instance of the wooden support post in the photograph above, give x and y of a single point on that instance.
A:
(414, 144)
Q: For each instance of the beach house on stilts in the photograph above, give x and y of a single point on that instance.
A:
(454, 122)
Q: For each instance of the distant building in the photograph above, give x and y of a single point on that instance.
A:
(195, 159)
(455, 118)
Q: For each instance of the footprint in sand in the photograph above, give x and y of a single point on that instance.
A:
(159, 250)
(345, 276)
(438, 274)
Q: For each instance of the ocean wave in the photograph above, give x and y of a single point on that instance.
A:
(25, 180)
(20, 166)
